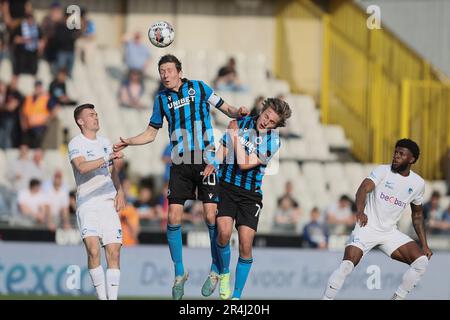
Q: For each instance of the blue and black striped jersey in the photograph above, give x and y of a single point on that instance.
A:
(188, 115)
(264, 145)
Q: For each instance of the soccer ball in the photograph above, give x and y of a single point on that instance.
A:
(161, 34)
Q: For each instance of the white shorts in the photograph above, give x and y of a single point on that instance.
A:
(367, 238)
(100, 220)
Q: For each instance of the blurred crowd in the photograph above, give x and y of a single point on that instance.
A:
(30, 123)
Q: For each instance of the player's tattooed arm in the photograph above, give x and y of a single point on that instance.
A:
(419, 226)
(233, 112)
(145, 137)
(366, 186)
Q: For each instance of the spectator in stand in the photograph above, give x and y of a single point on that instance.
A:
(64, 44)
(129, 219)
(86, 43)
(73, 207)
(22, 170)
(18, 170)
(445, 226)
(288, 212)
(131, 91)
(433, 214)
(14, 11)
(58, 201)
(10, 131)
(33, 204)
(286, 216)
(35, 116)
(340, 217)
(148, 207)
(315, 233)
(36, 169)
(57, 91)
(28, 44)
(227, 78)
(48, 27)
(3, 38)
(137, 54)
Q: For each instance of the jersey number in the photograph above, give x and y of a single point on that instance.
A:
(210, 180)
(259, 209)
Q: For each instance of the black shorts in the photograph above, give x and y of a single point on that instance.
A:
(186, 179)
(242, 205)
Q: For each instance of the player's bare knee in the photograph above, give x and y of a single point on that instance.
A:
(223, 238)
(420, 264)
(245, 250)
(93, 254)
(113, 255)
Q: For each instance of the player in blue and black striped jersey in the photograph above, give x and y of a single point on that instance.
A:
(186, 106)
(247, 147)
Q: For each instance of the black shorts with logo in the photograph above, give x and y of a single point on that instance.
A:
(242, 205)
(186, 179)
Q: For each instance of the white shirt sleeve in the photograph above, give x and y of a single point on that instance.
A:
(378, 174)
(418, 200)
(75, 149)
(22, 197)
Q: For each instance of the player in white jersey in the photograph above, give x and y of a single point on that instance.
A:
(380, 201)
(99, 199)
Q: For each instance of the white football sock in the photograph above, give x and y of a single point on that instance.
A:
(112, 283)
(336, 279)
(411, 277)
(98, 280)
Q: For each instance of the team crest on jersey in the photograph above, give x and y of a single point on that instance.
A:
(410, 190)
(258, 140)
(191, 92)
(389, 185)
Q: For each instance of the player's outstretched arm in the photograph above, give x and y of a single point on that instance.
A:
(143, 138)
(233, 112)
(419, 227)
(84, 166)
(366, 186)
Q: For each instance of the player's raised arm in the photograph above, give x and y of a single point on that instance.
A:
(234, 112)
(145, 137)
(366, 186)
(419, 226)
(84, 166)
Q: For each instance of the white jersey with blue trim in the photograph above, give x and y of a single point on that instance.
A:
(392, 194)
(97, 184)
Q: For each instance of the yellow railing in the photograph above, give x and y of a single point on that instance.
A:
(377, 88)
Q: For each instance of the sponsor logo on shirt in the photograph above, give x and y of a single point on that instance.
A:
(393, 200)
(410, 190)
(181, 103)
